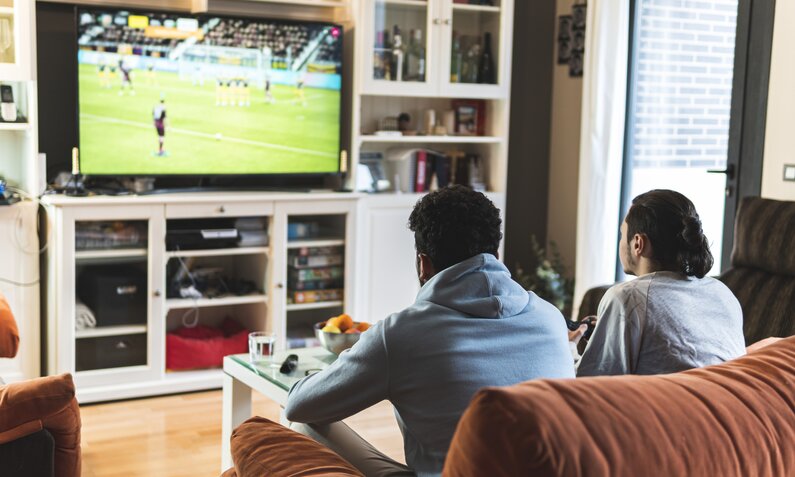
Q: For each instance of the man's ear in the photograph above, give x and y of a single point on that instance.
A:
(427, 270)
(641, 246)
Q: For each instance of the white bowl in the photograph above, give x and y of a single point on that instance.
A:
(335, 342)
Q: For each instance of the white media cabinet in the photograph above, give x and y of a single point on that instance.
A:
(379, 278)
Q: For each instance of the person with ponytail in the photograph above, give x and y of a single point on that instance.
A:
(672, 317)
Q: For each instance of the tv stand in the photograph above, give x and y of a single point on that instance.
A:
(202, 189)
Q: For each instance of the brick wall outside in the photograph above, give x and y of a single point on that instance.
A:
(683, 78)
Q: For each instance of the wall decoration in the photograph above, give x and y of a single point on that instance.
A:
(564, 39)
(578, 17)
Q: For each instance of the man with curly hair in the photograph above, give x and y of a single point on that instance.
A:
(471, 326)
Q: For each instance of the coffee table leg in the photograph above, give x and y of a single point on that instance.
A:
(236, 409)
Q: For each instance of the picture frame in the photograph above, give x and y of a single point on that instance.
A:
(564, 39)
(469, 117)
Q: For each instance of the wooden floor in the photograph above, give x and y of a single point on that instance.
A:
(178, 436)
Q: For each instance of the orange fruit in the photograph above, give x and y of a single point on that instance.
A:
(335, 322)
(352, 331)
(363, 326)
(345, 322)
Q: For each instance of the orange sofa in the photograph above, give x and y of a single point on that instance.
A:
(733, 419)
(39, 418)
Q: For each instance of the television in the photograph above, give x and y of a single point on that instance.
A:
(171, 94)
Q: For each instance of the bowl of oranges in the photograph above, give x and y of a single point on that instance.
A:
(339, 333)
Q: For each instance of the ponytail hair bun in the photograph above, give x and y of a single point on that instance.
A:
(670, 221)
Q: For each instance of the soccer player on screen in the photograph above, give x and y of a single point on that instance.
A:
(268, 94)
(299, 90)
(159, 117)
(126, 78)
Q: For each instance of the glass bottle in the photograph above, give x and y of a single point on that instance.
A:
(398, 52)
(486, 73)
(455, 59)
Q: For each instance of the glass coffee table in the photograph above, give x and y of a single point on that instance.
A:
(241, 376)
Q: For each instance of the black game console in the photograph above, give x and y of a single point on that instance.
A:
(201, 234)
(588, 320)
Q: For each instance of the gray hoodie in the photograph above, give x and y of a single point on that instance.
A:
(471, 326)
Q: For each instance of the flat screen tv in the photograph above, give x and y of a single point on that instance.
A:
(167, 94)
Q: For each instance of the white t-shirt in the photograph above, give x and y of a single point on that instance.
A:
(661, 323)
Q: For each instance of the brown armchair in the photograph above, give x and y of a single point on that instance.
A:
(762, 273)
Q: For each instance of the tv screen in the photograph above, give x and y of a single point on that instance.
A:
(172, 94)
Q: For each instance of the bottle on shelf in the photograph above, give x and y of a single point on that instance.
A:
(471, 70)
(486, 73)
(378, 56)
(387, 57)
(455, 60)
(418, 56)
(409, 62)
(398, 54)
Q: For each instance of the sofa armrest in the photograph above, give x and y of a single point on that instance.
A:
(263, 447)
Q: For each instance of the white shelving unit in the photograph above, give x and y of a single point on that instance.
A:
(432, 139)
(143, 369)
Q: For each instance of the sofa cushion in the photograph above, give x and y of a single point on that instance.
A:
(732, 419)
(262, 447)
(763, 234)
(768, 302)
(9, 334)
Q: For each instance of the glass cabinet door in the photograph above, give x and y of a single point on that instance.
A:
(8, 47)
(400, 47)
(473, 43)
(15, 39)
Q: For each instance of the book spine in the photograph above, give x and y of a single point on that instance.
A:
(422, 164)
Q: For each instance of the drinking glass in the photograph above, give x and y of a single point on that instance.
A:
(261, 346)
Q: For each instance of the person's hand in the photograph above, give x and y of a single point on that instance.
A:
(576, 335)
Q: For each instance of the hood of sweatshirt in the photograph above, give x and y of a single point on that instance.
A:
(480, 287)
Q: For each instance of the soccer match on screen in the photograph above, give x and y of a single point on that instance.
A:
(165, 94)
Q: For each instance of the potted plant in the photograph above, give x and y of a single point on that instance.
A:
(548, 280)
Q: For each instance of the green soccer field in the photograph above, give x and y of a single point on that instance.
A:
(118, 136)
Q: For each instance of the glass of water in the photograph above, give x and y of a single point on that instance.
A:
(261, 346)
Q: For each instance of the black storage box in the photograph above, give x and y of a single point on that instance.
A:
(116, 295)
(110, 352)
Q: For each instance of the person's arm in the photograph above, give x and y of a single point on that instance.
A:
(358, 379)
(610, 349)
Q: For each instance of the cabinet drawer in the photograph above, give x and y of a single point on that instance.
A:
(219, 209)
(110, 352)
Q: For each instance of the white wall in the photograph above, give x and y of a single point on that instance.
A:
(564, 155)
(779, 144)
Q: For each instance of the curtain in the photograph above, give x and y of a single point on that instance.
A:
(601, 143)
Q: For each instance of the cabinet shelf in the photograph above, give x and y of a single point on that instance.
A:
(83, 255)
(432, 139)
(315, 243)
(102, 331)
(13, 126)
(218, 252)
(313, 306)
(463, 7)
(177, 303)
(406, 3)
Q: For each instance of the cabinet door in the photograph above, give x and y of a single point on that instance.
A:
(312, 245)
(15, 39)
(476, 48)
(399, 51)
(389, 277)
(109, 294)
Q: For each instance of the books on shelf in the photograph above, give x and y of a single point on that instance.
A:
(309, 274)
(424, 170)
(316, 296)
(308, 261)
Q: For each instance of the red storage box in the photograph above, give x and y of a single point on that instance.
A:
(204, 346)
